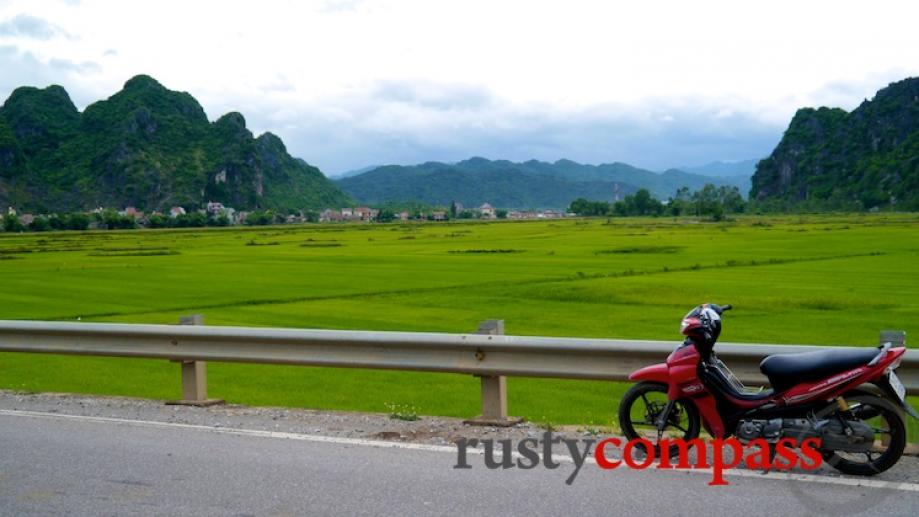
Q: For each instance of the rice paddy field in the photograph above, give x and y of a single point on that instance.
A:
(835, 279)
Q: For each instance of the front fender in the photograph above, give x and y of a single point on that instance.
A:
(656, 372)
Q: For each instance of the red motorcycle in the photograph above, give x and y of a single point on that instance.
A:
(851, 399)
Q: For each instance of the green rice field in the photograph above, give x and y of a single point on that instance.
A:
(834, 279)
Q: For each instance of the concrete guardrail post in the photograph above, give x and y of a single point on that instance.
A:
(194, 375)
(494, 387)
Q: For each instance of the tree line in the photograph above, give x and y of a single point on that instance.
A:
(113, 220)
(75, 221)
(709, 201)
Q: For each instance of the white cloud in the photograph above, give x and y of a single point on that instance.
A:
(52, 71)
(348, 83)
(27, 26)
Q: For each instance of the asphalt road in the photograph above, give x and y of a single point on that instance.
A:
(52, 465)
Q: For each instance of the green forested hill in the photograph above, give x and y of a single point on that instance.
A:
(530, 184)
(829, 158)
(148, 147)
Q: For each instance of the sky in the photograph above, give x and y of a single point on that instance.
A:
(349, 83)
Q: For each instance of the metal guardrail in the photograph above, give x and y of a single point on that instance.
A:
(487, 353)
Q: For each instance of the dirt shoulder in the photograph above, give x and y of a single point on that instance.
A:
(369, 426)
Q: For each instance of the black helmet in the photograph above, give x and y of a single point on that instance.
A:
(703, 325)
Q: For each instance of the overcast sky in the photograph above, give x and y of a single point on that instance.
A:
(351, 83)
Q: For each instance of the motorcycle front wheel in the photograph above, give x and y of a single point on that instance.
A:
(641, 406)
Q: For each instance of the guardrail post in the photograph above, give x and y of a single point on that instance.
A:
(194, 375)
(494, 388)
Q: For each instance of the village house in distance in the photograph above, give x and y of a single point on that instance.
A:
(456, 211)
(361, 213)
(216, 214)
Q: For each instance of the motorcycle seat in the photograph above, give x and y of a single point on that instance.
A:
(786, 370)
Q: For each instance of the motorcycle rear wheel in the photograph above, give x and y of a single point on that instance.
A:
(643, 403)
(890, 435)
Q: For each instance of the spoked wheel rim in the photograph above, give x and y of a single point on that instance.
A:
(643, 405)
(889, 437)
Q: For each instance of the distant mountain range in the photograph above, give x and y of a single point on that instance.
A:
(742, 168)
(530, 184)
(354, 172)
(148, 147)
(829, 158)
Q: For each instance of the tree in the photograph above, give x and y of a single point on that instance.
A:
(641, 203)
(584, 207)
(11, 223)
(112, 220)
(190, 220)
(705, 199)
(385, 215)
(40, 224)
(681, 201)
(260, 218)
(708, 201)
(501, 213)
(578, 206)
(57, 222)
(731, 199)
(717, 212)
(221, 220)
(159, 221)
(77, 221)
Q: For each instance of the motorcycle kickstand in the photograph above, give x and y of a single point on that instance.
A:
(768, 468)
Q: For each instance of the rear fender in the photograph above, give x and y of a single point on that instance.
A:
(884, 384)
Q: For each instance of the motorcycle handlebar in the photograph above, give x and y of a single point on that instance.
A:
(720, 308)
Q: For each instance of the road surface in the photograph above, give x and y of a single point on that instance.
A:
(76, 465)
